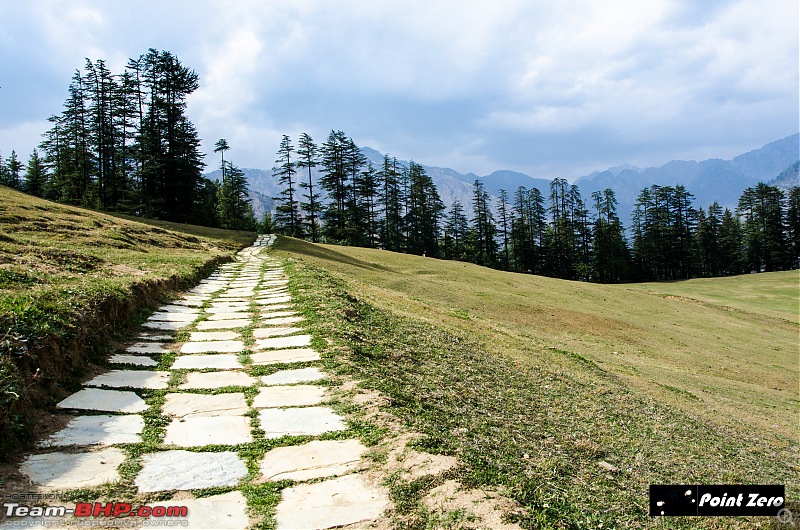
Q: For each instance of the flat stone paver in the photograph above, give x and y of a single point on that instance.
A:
(177, 308)
(197, 431)
(289, 396)
(159, 337)
(281, 321)
(228, 308)
(185, 470)
(295, 341)
(104, 401)
(199, 336)
(295, 355)
(174, 317)
(138, 360)
(276, 314)
(288, 377)
(265, 333)
(208, 380)
(297, 422)
(315, 459)
(98, 430)
(73, 470)
(230, 316)
(277, 307)
(165, 326)
(228, 511)
(132, 379)
(190, 405)
(225, 346)
(274, 300)
(147, 347)
(223, 324)
(221, 361)
(337, 502)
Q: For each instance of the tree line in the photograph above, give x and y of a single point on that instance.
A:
(397, 207)
(123, 143)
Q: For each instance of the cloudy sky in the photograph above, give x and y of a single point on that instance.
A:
(547, 88)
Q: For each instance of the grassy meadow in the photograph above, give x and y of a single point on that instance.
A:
(570, 397)
(71, 278)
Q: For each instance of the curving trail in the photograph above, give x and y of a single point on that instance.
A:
(211, 410)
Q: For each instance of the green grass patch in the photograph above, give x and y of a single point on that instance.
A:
(71, 281)
(535, 421)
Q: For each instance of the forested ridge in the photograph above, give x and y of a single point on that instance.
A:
(123, 143)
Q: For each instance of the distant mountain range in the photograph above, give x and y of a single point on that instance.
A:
(709, 180)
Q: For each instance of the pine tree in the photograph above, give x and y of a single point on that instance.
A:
(307, 158)
(482, 243)
(234, 210)
(793, 226)
(13, 168)
(335, 182)
(762, 209)
(392, 199)
(368, 188)
(455, 232)
(288, 215)
(506, 220)
(35, 176)
(610, 257)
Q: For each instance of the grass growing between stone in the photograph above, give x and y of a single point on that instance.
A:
(528, 404)
(70, 279)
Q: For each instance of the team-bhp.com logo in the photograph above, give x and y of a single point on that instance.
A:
(88, 513)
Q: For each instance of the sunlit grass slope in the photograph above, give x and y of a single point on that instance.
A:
(535, 381)
(70, 277)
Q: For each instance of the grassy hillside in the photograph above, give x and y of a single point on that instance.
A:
(70, 279)
(537, 384)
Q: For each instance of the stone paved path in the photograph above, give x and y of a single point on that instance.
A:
(215, 410)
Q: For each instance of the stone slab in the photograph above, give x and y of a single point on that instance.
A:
(223, 346)
(228, 511)
(297, 422)
(230, 316)
(185, 470)
(73, 470)
(98, 430)
(223, 324)
(201, 336)
(177, 308)
(271, 300)
(221, 361)
(198, 380)
(104, 401)
(190, 405)
(132, 379)
(227, 308)
(276, 314)
(197, 431)
(281, 321)
(315, 459)
(173, 317)
(277, 307)
(158, 337)
(294, 341)
(165, 326)
(146, 347)
(289, 396)
(332, 503)
(265, 333)
(288, 377)
(191, 301)
(294, 355)
(138, 360)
